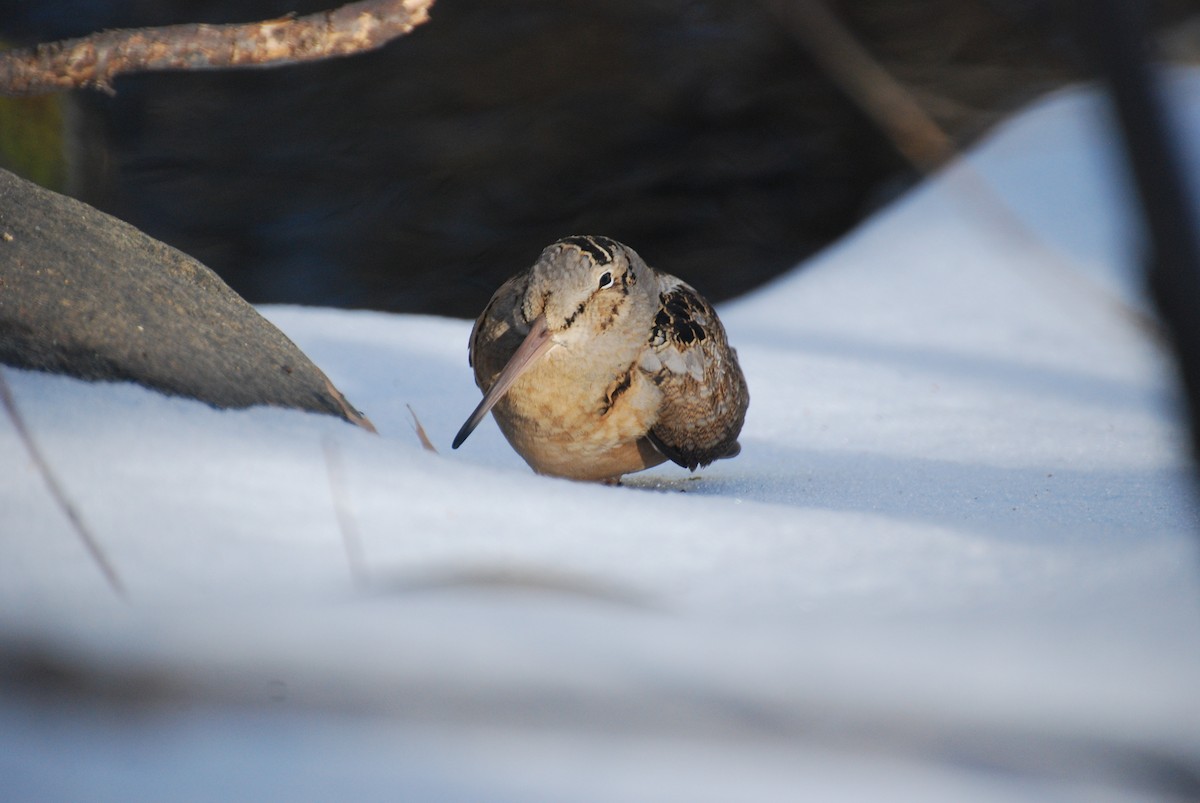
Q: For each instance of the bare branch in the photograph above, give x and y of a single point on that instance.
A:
(94, 61)
(922, 142)
(926, 146)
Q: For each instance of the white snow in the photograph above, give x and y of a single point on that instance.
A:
(956, 559)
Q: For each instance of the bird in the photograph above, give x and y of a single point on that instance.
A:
(595, 365)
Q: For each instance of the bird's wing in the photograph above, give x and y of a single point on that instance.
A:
(704, 392)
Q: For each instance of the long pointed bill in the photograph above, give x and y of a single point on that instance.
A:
(535, 344)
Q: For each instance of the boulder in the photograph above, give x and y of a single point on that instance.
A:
(87, 295)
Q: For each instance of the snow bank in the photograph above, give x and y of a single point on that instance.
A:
(955, 560)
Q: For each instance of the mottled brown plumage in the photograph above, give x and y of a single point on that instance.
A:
(595, 365)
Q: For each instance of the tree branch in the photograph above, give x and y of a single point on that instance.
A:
(884, 99)
(94, 61)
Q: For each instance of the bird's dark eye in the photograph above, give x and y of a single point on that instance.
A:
(605, 280)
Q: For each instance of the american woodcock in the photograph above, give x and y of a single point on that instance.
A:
(596, 365)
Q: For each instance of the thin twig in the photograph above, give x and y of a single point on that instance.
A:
(345, 519)
(94, 61)
(352, 415)
(420, 430)
(884, 99)
(56, 490)
(925, 145)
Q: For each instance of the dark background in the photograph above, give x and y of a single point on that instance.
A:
(419, 177)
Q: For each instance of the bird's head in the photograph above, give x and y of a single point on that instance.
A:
(586, 286)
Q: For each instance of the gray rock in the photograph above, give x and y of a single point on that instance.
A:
(84, 294)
